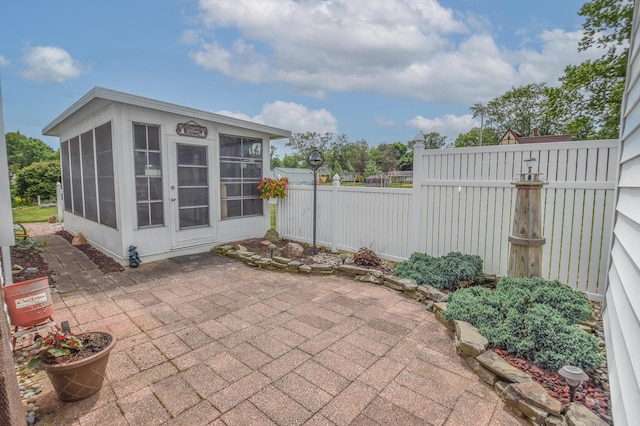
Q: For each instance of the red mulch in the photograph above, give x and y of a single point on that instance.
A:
(588, 393)
(30, 259)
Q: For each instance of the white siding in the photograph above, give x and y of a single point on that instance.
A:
(622, 307)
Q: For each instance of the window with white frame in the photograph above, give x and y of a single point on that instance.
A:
(240, 173)
(148, 171)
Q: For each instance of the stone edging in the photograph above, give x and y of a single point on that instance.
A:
(516, 388)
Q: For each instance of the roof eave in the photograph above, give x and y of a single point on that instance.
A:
(126, 98)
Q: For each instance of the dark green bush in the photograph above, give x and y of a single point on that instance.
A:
(444, 272)
(532, 318)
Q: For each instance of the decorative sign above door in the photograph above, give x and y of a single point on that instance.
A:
(192, 129)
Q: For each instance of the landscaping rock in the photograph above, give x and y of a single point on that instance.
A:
(494, 362)
(432, 293)
(555, 421)
(351, 270)
(534, 393)
(79, 239)
(369, 279)
(283, 260)
(396, 283)
(240, 247)
(469, 341)
(579, 415)
(306, 269)
(485, 375)
(512, 399)
(437, 310)
(272, 235)
(292, 251)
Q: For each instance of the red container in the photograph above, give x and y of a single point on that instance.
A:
(29, 302)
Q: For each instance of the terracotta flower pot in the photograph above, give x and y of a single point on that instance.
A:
(77, 380)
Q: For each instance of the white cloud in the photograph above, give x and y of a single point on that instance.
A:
(448, 125)
(414, 48)
(51, 63)
(3, 61)
(291, 116)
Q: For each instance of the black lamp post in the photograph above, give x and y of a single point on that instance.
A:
(315, 161)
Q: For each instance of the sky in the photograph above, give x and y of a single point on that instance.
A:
(378, 70)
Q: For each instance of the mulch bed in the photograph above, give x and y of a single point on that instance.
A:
(102, 261)
(29, 259)
(588, 393)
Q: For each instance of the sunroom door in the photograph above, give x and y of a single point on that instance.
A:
(191, 194)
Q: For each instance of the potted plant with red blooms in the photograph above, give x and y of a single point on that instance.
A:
(75, 364)
(273, 189)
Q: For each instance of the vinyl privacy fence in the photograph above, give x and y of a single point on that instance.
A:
(463, 200)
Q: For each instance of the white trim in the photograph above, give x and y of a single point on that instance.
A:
(129, 99)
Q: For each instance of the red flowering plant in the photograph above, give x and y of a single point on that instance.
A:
(51, 346)
(273, 188)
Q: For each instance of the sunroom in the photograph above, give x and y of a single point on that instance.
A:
(167, 179)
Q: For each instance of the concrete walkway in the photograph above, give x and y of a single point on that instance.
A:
(209, 340)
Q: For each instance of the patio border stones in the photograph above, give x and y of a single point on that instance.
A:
(524, 396)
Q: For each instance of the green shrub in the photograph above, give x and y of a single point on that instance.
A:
(444, 272)
(532, 318)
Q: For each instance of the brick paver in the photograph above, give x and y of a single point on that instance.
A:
(216, 342)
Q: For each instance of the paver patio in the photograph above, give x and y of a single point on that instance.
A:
(209, 340)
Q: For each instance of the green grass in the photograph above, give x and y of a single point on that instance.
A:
(30, 214)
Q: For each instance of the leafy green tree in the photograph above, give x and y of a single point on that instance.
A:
(303, 143)
(434, 140)
(292, 161)
(274, 160)
(386, 155)
(591, 92)
(38, 178)
(23, 151)
(481, 111)
(522, 109)
(472, 138)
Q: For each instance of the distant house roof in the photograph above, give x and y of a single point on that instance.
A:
(511, 137)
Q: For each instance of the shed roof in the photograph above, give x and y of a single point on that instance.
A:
(99, 97)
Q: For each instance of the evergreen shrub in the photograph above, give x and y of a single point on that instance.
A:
(532, 318)
(444, 273)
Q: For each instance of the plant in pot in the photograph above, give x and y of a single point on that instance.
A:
(273, 189)
(75, 364)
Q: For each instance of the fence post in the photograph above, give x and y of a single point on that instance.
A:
(59, 201)
(415, 226)
(334, 213)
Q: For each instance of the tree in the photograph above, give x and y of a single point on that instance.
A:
(472, 138)
(23, 151)
(479, 110)
(38, 179)
(386, 155)
(303, 143)
(274, 160)
(591, 92)
(522, 109)
(433, 140)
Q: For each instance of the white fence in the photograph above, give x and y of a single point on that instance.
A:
(463, 200)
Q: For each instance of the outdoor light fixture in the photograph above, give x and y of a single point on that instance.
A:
(530, 162)
(315, 161)
(343, 257)
(573, 376)
(272, 247)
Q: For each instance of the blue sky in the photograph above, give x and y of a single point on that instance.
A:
(379, 70)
